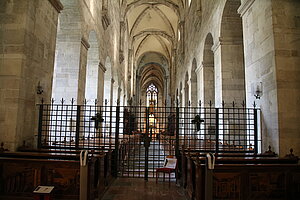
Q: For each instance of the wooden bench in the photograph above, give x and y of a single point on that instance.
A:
(22, 172)
(247, 181)
(107, 165)
(189, 174)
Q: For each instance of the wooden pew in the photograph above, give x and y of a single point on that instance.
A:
(105, 170)
(239, 177)
(22, 172)
(189, 172)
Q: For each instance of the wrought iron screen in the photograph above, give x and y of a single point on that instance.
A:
(143, 136)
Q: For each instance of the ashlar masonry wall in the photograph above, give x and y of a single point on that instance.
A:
(28, 34)
(272, 60)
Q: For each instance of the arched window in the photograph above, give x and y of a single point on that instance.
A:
(152, 93)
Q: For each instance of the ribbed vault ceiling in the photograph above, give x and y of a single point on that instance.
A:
(153, 25)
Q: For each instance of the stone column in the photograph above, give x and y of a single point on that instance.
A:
(229, 71)
(100, 92)
(112, 81)
(121, 41)
(270, 36)
(138, 89)
(82, 70)
(181, 28)
(130, 71)
(260, 65)
(206, 82)
(173, 72)
(218, 74)
(286, 23)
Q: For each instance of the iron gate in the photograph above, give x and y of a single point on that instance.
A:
(141, 137)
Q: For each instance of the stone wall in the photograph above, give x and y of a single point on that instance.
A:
(28, 34)
(269, 53)
(27, 56)
(286, 28)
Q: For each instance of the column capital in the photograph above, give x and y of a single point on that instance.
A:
(216, 46)
(57, 5)
(101, 66)
(204, 65)
(227, 41)
(245, 7)
(85, 43)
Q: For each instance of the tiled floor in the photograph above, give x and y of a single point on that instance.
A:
(139, 189)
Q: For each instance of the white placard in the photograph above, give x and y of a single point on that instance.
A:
(170, 163)
(43, 189)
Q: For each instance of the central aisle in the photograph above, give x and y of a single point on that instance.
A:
(139, 189)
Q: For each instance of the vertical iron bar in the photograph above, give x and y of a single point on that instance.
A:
(117, 139)
(40, 126)
(255, 131)
(217, 130)
(177, 153)
(146, 146)
(77, 127)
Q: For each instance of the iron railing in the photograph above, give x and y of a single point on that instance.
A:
(134, 132)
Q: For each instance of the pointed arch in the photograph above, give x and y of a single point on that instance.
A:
(207, 72)
(232, 54)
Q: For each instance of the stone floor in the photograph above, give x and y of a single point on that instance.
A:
(139, 189)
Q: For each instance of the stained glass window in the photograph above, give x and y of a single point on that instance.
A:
(152, 93)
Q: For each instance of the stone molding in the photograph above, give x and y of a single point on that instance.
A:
(105, 19)
(101, 66)
(227, 41)
(216, 46)
(198, 69)
(85, 43)
(203, 65)
(57, 5)
(245, 7)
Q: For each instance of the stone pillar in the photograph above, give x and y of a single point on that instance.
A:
(200, 83)
(121, 41)
(138, 95)
(27, 50)
(119, 96)
(100, 92)
(218, 74)
(82, 70)
(270, 36)
(286, 23)
(173, 72)
(229, 71)
(260, 65)
(167, 90)
(130, 72)
(206, 82)
(181, 28)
